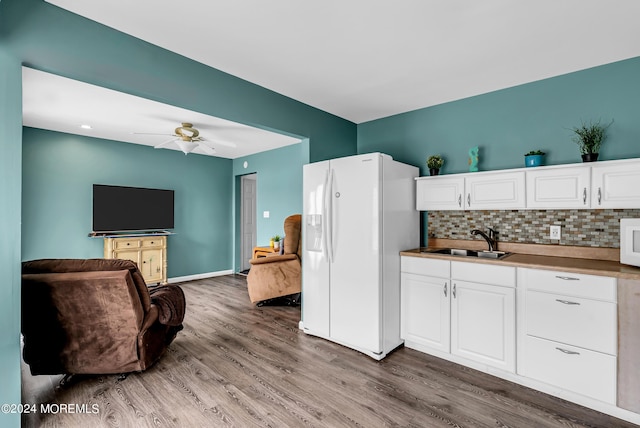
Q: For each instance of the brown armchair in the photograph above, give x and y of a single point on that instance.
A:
(278, 275)
(95, 316)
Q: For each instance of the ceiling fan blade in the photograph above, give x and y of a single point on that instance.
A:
(151, 133)
(163, 145)
(221, 142)
(205, 148)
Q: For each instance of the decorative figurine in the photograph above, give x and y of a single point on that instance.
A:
(473, 159)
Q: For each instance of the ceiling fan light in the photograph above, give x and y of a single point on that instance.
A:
(186, 146)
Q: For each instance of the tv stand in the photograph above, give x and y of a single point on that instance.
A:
(148, 250)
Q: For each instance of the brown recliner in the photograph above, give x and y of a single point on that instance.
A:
(95, 316)
(278, 275)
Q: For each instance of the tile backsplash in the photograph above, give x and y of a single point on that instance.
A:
(587, 228)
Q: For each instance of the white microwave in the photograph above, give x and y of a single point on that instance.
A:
(630, 241)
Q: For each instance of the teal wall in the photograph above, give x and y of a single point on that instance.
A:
(41, 36)
(279, 189)
(508, 123)
(59, 171)
(10, 191)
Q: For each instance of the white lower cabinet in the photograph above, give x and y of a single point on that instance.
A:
(550, 330)
(483, 325)
(425, 305)
(568, 331)
(483, 314)
(449, 316)
(571, 368)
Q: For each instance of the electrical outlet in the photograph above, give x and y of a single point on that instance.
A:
(554, 232)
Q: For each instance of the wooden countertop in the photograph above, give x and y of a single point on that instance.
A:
(565, 264)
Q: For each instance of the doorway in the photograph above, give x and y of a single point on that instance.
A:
(248, 229)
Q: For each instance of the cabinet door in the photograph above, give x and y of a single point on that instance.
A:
(616, 185)
(440, 193)
(425, 311)
(503, 190)
(133, 255)
(558, 188)
(151, 265)
(483, 324)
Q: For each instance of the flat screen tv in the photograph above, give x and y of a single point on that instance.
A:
(125, 209)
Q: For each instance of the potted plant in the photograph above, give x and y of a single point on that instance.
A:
(276, 242)
(590, 138)
(434, 163)
(534, 158)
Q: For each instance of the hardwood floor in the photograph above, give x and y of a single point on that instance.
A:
(235, 364)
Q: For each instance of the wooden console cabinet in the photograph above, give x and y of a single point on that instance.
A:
(149, 252)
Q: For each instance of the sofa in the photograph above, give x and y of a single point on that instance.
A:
(95, 316)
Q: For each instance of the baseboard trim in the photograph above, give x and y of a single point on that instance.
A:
(199, 276)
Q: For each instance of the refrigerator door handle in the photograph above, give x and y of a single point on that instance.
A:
(325, 223)
(329, 216)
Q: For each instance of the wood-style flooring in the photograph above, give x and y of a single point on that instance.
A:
(235, 364)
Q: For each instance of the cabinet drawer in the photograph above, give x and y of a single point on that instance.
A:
(589, 324)
(424, 266)
(571, 368)
(571, 284)
(156, 242)
(484, 273)
(126, 243)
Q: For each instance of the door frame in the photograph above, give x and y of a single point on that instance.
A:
(244, 263)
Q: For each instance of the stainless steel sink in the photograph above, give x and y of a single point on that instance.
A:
(469, 253)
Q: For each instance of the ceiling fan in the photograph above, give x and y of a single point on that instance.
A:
(188, 138)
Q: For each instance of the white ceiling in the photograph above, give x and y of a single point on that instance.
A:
(367, 59)
(60, 104)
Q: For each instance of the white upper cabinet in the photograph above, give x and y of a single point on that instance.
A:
(498, 190)
(608, 184)
(440, 193)
(616, 185)
(495, 191)
(559, 188)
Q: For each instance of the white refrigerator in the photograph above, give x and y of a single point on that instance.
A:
(358, 214)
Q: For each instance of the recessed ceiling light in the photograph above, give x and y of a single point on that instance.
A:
(85, 126)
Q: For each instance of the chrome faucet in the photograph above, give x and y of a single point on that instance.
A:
(491, 238)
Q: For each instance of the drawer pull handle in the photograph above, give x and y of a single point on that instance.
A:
(584, 196)
(599, 196)
(567, 302)
(566, 351)
(460, 200)
(567, 278)
(453, 291)
(468, 199)
(445, 289)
